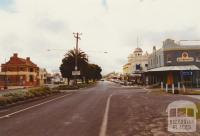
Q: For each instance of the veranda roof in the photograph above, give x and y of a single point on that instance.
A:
(174, 68)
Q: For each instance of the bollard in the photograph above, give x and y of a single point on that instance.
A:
(184, 89)
(173, 89)
(179, 86)
(167, 88)
(162, 86)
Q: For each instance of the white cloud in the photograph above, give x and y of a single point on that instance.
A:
(36, 25)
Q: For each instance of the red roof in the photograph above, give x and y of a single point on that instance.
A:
(15, 60)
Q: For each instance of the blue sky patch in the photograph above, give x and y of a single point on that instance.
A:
(5, 3)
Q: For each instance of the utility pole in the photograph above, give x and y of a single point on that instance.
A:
(77, 36)
(76, 72)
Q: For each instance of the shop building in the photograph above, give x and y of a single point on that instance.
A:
(136, 66)
(174, 64)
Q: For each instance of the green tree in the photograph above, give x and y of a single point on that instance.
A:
(93, 72)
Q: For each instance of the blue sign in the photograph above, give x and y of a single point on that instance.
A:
(186, 73)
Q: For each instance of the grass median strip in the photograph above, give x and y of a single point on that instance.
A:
(16, 112)
(11, 98)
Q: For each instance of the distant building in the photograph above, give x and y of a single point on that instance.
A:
(57, 78)
(19, 72)
(137, 64)
(174, 63)
(43, 75)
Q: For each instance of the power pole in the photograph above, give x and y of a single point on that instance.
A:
(77, 36)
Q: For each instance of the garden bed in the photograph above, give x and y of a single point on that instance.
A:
(24, 96)
(75, 87)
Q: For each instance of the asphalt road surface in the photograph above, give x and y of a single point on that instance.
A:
(104, 110)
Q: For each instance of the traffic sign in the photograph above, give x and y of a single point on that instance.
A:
(76, 73)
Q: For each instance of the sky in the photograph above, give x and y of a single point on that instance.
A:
(31, 27)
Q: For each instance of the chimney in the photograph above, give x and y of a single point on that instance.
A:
(15, 55)
(28, 59)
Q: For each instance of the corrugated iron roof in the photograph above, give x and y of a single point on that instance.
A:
(175, 68)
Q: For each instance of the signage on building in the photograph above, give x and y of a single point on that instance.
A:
(186, 73)
(76, 73)
(185, 58)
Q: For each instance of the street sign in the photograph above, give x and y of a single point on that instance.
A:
(76, 73)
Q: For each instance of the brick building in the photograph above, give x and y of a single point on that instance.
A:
(19, 72)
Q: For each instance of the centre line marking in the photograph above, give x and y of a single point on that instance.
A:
(105, 118)
(8, 115)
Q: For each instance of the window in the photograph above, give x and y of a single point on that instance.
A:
(31, 78)
(138, 67)
(157, 59)
(21, 69)
(169, 58)
(31, 70)
(198, 59)
(160, 59)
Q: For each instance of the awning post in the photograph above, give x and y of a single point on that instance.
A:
(173, 88)
(162, 86)
(167, 88)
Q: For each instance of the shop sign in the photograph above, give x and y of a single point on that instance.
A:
(185, 58)
(186, 73)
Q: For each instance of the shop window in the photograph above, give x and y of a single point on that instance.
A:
(198, 59)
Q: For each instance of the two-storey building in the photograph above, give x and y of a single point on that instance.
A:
(174, 63)
(137, 65)
(19, 72)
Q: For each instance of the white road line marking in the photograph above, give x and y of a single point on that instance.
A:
(105, 118)
(8, 115)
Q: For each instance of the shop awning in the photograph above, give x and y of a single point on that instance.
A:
(174, 68)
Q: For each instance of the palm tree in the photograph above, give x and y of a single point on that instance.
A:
(68, 63)
(82, 58)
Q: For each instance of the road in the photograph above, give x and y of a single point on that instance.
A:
(104, 110)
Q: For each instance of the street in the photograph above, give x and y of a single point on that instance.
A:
(107, 109)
